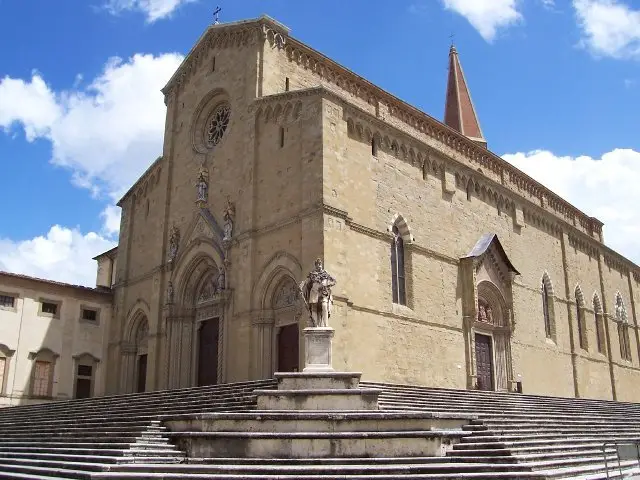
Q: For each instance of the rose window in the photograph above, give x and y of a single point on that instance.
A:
(218, 124)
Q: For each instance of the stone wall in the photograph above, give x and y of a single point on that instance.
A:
(65, 339)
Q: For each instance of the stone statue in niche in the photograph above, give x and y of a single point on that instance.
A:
(221, 280)
(202, 185)
(229, 216)
(620, 312)
(174, 241)
(316, 292)
(482, 313)
(489, 315)
(170, 293)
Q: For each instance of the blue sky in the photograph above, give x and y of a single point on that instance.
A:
(556, 85)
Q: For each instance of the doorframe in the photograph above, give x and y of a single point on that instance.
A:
(494, 378)
(284, 317)
(197, 325)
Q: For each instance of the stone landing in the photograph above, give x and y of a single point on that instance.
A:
(318, 390)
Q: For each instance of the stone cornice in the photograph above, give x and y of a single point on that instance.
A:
(148, 179)
(226, 35)
(424, 124)
(385, 235)
(242, 33)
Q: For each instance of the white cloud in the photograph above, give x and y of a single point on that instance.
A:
(111, 218)
(108, 133)
(64, 255)
(606, 188)
(486, 16)
(153, 9)
(610, 28)
(29, 103)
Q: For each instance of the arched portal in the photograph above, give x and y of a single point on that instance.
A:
(283, 303)
(208, 329)
(195, 323)
(491, 332)
(141, 340)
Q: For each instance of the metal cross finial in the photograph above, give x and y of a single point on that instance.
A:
(452, 36)
(216, 15)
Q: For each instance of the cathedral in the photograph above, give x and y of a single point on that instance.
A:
(453, 268)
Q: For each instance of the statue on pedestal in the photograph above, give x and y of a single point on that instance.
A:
(316, 292)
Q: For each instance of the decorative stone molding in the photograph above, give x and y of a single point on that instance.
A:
(584, 245)
(217, 37)
(280, 111)
(144, 185)
(615, 264)
(203, 114)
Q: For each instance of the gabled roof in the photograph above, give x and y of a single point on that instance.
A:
(18, 276)
(484, 243)
(459, 112)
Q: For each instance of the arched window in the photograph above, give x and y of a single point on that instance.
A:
(397, 268)
(547, 307)
(597, 310)
(580, 320)
(623, 328)
(5, 358)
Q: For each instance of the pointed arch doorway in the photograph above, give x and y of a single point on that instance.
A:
(208, 339)
(142, 340)
(487, 277)
(287, 341)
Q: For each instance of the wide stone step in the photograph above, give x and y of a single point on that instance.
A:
(487, 413)
(314, 421)
(164, 396)
(135, 411)
(553, 436)
(316, 444)
(71, 451)
(322, 471)
(500, 408)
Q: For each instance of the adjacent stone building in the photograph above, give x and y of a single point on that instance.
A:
(52, 340)
(454, 268)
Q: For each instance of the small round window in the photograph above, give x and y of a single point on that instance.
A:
(217, 125)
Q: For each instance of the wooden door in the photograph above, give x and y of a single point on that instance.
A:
(142, 373)
(288, 349)
(208, 352)
(484, 362)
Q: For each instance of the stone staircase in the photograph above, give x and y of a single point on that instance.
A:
(217, 432)
(550, 436)
(72, 439)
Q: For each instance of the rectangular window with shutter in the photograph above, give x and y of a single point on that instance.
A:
(3, 366)
(41, 379)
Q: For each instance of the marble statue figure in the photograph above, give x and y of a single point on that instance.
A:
(316, 292)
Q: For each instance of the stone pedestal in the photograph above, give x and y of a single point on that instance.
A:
(317, 343)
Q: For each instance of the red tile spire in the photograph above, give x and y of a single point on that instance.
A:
(459, 112)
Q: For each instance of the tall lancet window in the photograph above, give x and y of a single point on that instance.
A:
(545, 310)
(623, 329)
(547, 307)
(397, 268)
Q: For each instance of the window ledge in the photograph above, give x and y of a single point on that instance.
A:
(400, 309)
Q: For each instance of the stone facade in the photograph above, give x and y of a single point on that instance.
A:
(504, 284)
(52, 340)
